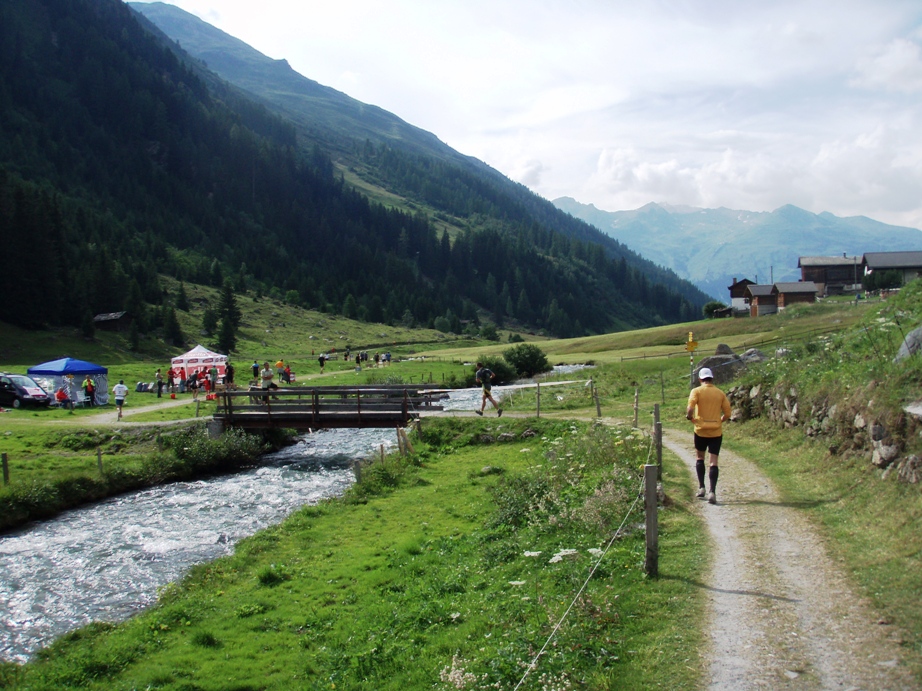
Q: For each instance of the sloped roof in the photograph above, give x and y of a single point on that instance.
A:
(893, 260)
(759, 291)
(827, 261)
(109, 316)
(797, 287)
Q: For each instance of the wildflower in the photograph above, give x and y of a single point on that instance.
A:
(516, 583)
(524, 450)
(561, 554)
(595, 551)
(532, 554)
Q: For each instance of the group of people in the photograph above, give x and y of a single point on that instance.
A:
(177, 380)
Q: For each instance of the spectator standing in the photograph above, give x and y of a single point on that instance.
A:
(322, 360)
(159, 377)
(255, 367)
(266, 375)
(89, 389)
(229, 375)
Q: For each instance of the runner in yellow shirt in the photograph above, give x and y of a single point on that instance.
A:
(708, 408)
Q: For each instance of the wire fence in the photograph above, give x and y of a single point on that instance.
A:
(582, 588)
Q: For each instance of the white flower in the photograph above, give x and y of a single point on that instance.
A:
(595, 551)
(516, 583)
(561, 554)
(532, 554)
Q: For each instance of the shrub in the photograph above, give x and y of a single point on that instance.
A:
(528, 359)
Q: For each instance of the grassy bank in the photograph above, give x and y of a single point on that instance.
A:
(435, 572)
(54, 469)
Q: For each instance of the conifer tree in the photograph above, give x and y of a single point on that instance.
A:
(182, 300)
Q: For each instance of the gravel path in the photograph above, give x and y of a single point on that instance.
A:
(782, 613)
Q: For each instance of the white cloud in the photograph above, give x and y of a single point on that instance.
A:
(897, 67)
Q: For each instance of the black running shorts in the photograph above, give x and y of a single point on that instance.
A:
(709, 444)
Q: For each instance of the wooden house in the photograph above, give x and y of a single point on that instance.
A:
(792, 293)
(761, 299)
(832, 275)
(738, 301)
(909, 264)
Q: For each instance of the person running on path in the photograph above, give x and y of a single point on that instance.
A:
(120, 391)
(485, 377)
(708, 408)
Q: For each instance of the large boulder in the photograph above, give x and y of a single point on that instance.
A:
(724, 367)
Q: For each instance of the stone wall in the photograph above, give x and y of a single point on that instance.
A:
(849, 428)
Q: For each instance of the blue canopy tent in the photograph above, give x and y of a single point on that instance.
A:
(69, 373)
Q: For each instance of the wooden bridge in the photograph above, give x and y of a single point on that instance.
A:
(326, 407)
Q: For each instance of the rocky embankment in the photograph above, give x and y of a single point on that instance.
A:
(853, 427)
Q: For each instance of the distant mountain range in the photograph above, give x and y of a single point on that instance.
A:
(711, 247)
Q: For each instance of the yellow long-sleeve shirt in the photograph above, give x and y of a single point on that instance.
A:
(709, 406)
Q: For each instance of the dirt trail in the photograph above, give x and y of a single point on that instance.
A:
(782, 613)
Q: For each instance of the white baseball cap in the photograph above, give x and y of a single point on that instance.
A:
(705, 373)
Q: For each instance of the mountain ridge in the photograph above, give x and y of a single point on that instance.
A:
(733, 243)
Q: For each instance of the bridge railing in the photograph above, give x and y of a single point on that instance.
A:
(318, 407)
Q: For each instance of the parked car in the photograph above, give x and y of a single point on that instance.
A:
(17, 390)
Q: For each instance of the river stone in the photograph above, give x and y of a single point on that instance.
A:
(860, 422)
(506, 436)
(912, 344)
(724, 349)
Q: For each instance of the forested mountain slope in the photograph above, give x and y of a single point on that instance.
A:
(387, 151)
(119, 161)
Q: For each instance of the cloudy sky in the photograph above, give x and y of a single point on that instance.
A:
(618, 103)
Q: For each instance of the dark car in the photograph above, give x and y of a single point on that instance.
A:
(17, 390)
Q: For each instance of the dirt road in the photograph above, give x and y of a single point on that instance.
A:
(782, 613)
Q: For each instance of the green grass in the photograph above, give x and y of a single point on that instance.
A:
(395, 589)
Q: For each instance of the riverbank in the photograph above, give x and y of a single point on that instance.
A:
(55, 464)
(455, 563)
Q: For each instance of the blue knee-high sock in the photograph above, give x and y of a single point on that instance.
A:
(699, 468)
(713, 474)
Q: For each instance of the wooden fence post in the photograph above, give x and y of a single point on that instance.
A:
(595, 396)
(538, 399)
(658, 437)
(651, 560)
(636, 406)
(6, 469)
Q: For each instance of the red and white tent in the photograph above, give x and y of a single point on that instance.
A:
(197, 358)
